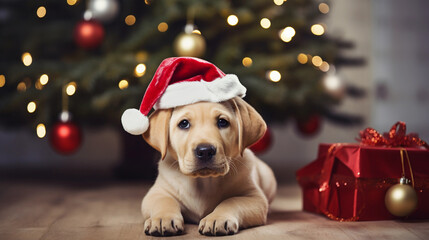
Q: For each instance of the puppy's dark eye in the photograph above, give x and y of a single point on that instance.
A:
(184, 124)
(222, 123)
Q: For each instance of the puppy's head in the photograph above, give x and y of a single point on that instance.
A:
(205, 137)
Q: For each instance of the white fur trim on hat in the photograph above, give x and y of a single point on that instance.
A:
(134, 122)
(184, 93)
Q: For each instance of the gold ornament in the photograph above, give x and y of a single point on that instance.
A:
(401, 199)
(190, 44)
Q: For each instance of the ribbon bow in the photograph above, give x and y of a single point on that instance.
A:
(396, 137)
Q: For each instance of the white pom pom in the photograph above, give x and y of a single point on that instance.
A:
(134, 122)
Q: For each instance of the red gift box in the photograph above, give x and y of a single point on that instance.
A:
(348, 182)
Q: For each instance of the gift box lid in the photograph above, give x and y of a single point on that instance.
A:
(370, 162)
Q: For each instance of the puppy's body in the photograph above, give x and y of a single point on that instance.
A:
(199, 196)
(231, 192)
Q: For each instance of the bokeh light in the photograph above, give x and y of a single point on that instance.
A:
(123, 84)
(130, 20)
(27, 59)
(71, 2)
(141, 56)
(324, 67)
(71, 88)
(232, 20)
(2, 80)
(278, 2)
(324, 8)
(44, 79)
(247, 61)
(274, 75)
(302, 58)
(41, 130)
(21, 86)
(317, 61)
(317, 29)
(41, 12)
(140, 70)
(332, 82)
(163, 27)
(265, 23)
(31, 107)
(287, 34)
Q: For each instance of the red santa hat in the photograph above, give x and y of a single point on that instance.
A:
(181, 81)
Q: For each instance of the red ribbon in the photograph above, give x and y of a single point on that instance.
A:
(396, 137)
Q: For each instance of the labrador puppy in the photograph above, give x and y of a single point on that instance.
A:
(206, 173)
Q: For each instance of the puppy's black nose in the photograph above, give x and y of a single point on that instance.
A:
(205, 152)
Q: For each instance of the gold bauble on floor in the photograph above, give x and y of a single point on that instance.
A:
(401, 200)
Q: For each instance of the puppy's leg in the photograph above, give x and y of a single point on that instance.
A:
(161, 213)
(233, 213)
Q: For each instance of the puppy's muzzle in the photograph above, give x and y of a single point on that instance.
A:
(205, 152)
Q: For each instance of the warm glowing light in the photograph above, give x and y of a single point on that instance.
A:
(287, 34)
(332, 82)
(21, 86)
(41, 130)
(71, 2)
(265, 23)
(31, 107)
(71, 88)
(44, 79)
(317, 29)
(141, 56)
(163, 27)
(140, 70)
(2, 80)
(38, 85)
(232, 20)
(279, 2)
(101, 5)
(123, 84)
(130, 20)
(147, 2)
(324, 67)
(247, 62)
(324, 8)
(274, 75)
(27, 59)
(302, 58)
(87, 15)
(41, 12)
(196, 31)
(317, 61)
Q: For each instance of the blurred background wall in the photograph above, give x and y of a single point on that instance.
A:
(392, 37)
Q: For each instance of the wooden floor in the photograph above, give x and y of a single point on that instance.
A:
(42, 210)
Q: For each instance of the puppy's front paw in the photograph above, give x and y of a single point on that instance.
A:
(218, 225)
(164, 226)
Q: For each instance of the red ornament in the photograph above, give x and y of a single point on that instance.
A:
(310, 126)
(263, 144)
(65, 137)
(88, 34)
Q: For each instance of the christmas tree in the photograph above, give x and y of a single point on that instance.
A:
(95, 58)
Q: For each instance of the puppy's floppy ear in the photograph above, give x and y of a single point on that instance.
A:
(251, 125)
(157, 134)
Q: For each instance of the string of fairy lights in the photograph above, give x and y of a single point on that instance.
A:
(286, 35)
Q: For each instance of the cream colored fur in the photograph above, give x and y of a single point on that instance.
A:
(233, 191)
